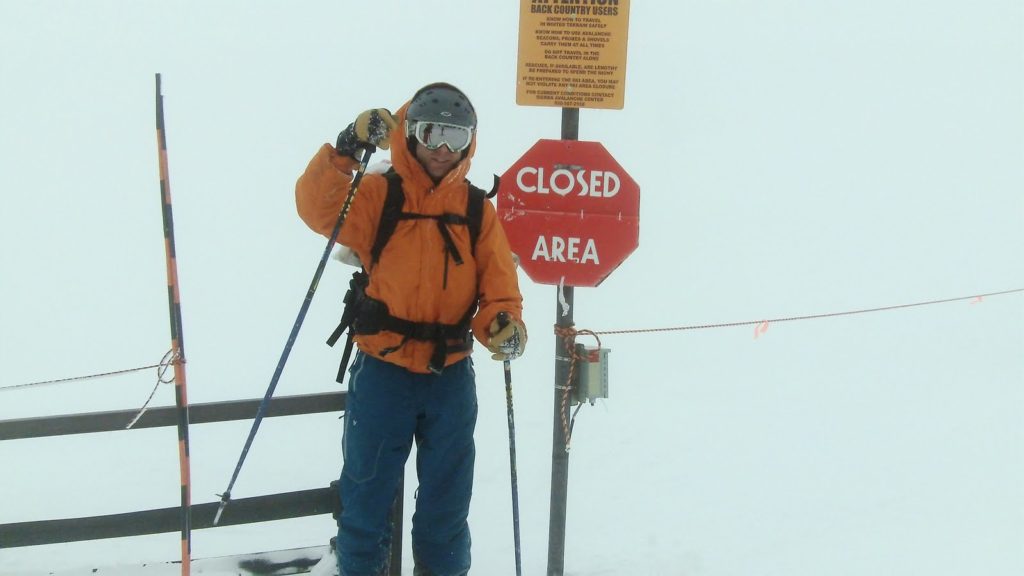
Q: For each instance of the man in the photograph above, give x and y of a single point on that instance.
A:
(432, 278)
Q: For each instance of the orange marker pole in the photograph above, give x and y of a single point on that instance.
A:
(177, 344)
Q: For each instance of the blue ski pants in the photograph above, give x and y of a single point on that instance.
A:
(387, 408)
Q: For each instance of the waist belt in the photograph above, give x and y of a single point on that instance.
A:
(366, 315)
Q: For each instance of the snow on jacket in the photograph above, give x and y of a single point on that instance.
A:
(410, 274)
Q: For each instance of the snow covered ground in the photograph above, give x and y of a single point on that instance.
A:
(795, 453)
(314, 560)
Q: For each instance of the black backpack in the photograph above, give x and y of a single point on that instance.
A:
(365, 315)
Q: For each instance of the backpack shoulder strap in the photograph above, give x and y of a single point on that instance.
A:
(475, 209)
(395, 200)
(475, 214)
(389, 216)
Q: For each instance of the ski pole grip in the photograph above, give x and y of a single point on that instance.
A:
(367, 151)
(510, 347)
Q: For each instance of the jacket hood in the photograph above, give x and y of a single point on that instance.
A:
(410, 169)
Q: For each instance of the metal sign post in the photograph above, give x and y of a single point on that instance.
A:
(571, 56)
(559, 455)
(572, 215)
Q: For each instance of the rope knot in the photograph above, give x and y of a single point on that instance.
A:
(565, 331)
(569, 334)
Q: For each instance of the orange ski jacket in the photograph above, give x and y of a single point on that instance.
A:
(410, 274)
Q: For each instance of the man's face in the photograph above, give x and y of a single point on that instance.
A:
(437, 162)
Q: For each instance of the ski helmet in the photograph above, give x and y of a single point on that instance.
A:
(441, 102)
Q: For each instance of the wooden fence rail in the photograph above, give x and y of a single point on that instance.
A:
(240, 511)
(166, 416)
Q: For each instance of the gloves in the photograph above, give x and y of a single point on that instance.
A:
(370, 130)
(508, 338)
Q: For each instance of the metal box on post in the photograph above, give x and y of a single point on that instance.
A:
(591, 374)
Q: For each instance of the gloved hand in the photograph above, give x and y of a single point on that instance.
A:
(508, 338)
(371, 130)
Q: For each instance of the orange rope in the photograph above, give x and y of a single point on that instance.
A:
(162, 366)
(977, 297)
(568, 334)
(170, 358)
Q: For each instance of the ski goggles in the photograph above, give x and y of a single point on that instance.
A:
(433, 135)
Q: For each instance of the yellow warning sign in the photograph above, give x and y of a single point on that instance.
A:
(572, 53)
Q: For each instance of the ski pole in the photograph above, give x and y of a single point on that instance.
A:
(226, 496)
(502, 322)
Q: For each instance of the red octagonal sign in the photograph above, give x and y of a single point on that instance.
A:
(570, 212)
